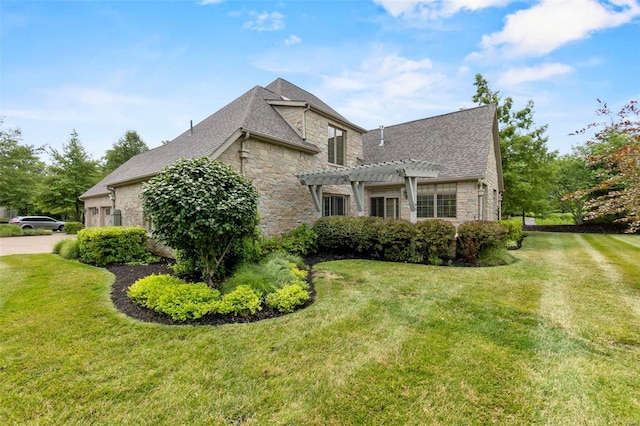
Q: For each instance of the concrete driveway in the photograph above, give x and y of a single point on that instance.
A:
(31, 244)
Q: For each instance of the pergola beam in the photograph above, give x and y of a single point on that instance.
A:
(409, 170)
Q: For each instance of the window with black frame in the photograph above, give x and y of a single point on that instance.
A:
(334, 205)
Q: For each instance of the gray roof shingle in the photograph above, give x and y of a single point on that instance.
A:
(459, 141)
(250, 112)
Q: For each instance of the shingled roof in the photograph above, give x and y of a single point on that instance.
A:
(459, 141)
(251, 113)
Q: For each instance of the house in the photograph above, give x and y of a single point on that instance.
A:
(306, 160)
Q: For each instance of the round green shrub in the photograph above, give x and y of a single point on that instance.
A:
(287, 298)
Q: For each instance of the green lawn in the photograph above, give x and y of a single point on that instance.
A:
(551, 339)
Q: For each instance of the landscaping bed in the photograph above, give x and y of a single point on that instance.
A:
(126, 275)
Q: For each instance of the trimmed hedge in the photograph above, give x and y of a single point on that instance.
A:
(301, 241)
(73, 227)
(102, 246)
(477, 236)
(390, 239)
(514, 235)
(434, 240)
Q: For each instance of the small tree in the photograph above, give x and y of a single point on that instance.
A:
(71, 173)
(20, 170)
(525, 158)
(615, 150)
(127, 146)
(201, 206)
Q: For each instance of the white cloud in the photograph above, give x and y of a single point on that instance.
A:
(206, 2)
(388, 89)
(551, 24)
(292, 39)
(432, 9)
(519, 75)
(265, 21)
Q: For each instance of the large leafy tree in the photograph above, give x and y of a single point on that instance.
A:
(201, 207)
(126, 147)
(525, 156)
(572, 174)
(20, 170)
(71, 173)
(614, 150)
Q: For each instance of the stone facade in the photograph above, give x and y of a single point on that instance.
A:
(284, 202)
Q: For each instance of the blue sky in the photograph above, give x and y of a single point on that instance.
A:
(105, 67)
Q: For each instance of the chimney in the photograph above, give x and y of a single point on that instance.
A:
(191, 127)
(381, 135)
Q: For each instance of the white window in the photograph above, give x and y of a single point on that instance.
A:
(386, 205)
(437, 201)
(336, 146)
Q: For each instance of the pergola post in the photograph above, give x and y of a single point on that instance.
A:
(316, 195)
(411, 186)
(358, 194)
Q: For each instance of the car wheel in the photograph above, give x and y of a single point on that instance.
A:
(27, 227)
(61, 228)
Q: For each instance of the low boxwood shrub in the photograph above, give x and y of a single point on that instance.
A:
(288, 298)
(433, 240)
(73, 227)
(477, 236)
(172, 296)
(113, 244)
(242, 301)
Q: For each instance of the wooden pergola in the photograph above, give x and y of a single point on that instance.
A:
(409, 170)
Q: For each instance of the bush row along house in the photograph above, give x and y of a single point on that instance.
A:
(306, 161)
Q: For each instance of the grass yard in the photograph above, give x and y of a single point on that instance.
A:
(551, 339)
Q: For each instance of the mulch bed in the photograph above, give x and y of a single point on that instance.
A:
(126, 275)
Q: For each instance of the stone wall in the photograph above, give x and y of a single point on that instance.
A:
(97, 211)
(129, 202)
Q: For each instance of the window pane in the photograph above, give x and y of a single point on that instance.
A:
(392, 208)
(334, 205)
(338, 208)
(332, 150)
(340, 148)
(447, 205)
(425, 206)
(377, 207)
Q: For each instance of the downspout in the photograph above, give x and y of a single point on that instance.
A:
(244, 153)
(304, 122)
(112, 197)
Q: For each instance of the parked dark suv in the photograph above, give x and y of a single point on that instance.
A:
(31, 222)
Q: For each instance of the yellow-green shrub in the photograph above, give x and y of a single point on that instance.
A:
(288, 298)
(172, 296)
